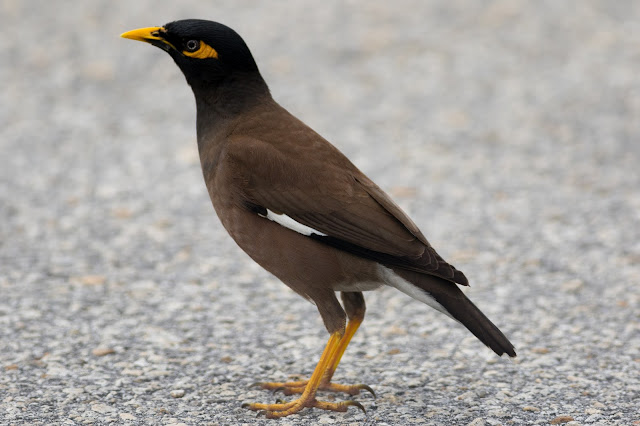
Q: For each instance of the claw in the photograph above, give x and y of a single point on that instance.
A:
(280, 389)
(256, 384)
(355, 404)
(368, 389)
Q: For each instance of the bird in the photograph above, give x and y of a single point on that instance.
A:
(302, 210)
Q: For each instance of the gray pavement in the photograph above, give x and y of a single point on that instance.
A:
(509, 130)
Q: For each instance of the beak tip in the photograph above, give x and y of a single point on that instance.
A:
(131, 36)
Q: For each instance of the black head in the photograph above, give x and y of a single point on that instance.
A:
(209, 54)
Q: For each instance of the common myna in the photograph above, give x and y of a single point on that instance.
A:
(301, 209)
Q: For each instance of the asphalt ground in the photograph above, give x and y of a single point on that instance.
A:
(509, 130)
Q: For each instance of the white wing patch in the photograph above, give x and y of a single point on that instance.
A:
(394, 280)
(289, 223)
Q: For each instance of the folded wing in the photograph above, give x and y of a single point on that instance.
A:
(333, 197)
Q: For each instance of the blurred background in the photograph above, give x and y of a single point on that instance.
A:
(508, 130)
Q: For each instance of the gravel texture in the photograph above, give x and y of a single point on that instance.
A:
(509, 130)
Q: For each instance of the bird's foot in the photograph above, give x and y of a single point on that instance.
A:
(284, 409)
(291, 388)
(320, 379)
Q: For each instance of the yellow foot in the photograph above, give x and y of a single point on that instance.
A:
(290, 388)
(273, 411)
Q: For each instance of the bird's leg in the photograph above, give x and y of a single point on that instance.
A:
(355, 308)
(308, 397)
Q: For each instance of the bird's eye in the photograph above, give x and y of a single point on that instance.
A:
(192, 45)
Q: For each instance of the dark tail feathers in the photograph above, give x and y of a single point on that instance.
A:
(462, 309)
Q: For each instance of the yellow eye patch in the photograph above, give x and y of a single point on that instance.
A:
(203, 52)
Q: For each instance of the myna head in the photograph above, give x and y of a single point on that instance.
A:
(209, 54)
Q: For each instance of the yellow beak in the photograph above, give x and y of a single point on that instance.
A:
(150, 35)
(144, 34)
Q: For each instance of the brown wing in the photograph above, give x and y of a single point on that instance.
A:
(330, 195)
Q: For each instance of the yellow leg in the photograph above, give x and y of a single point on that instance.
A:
(290, 388)
(308, 397)
(352, 327)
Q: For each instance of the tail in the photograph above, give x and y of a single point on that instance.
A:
(446, 297)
